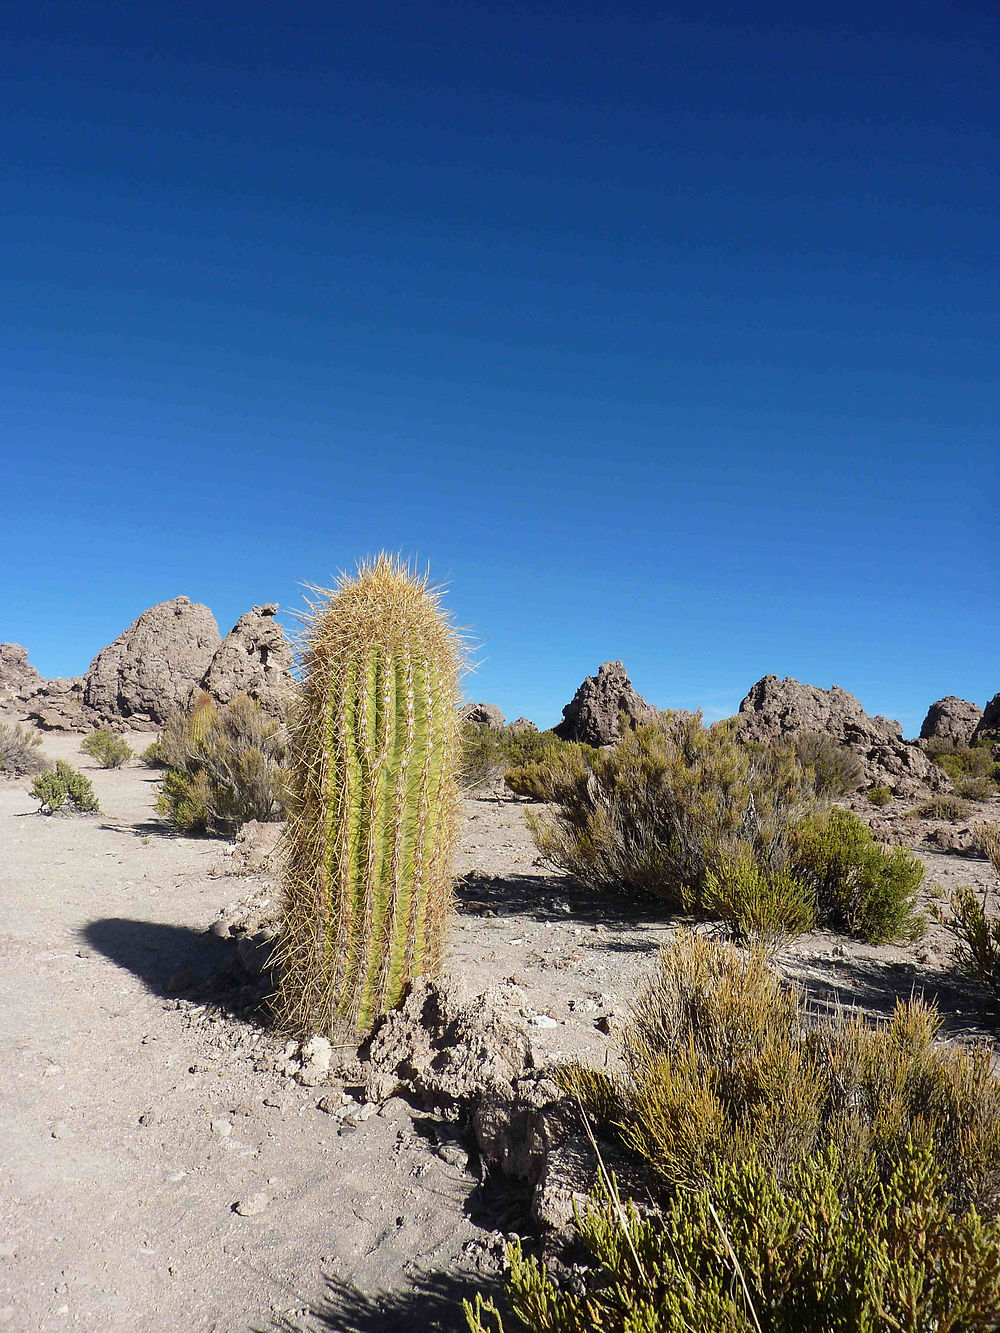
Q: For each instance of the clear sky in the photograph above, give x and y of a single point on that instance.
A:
(666, 332)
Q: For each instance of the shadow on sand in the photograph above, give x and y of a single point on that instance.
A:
(432, 1303)
(175, 961)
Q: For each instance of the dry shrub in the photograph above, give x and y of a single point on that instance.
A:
(809, 1174)
(21, 751)
(835, 770)
(107, 749)
(975, 789)
(553, 773)
(669, 803)
(879, 796)
(224, 767)
(978, 933)
(861, 888)
(953, 809)
(482, 757)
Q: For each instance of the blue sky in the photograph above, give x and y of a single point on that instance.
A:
(663, 333)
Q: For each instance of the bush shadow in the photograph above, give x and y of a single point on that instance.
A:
(432, 1303)
(546, 899)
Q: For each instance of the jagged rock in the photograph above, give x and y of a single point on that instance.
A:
(254, 658)
(482, 715)
(520, 725)
(18, 678)
(951, 721)
(517, 1128)
(149, 671)
(593, 715)
(777, 708)
(988, 728)
(59, 706)
(446, 1052)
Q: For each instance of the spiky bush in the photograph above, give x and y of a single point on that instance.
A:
(953, 809)
(20, 751)
(669, 803)
(64, 786)
(879, 796)
(861, 888)
(224, 767)
(554, 773)
(766, 907)
(107, 749)
(373, 801)
(807, 1174)
(977, 932)
(835, 770)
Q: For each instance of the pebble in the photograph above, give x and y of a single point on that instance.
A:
(542, 1021)
(60, 1130)
(453, 1155)
(252, 1205)
(223, 1128)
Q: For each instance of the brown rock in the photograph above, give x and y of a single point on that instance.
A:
(520, 725)
(951, 721)
(482, 715)
(18, 678)
(778, 708)
(149, 671)
(593, 716)
(988, 728)
(254, 658)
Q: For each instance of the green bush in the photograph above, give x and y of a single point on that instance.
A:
(107, 748)
(977, 933)
(224, 767)
(808, 1174)
(861, 888)
(64, 784)
(668, 804)
(763, 907)
(966, 761)
(553, 773)
(524, 759)
(20, 751)
(945, 807)
(879, 796)
(482, 756)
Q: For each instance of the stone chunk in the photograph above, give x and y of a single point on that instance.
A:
(593, 715)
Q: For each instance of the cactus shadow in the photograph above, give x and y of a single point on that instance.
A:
(431, 1302)
(176, 962)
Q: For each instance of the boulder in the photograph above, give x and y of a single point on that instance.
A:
(520, 725)
(951, 721)
(18, 678)
(58, 706)
(149, 671)
(781, 708)
(593, 715)
(988, 727)
(254, 658)
(482, 715)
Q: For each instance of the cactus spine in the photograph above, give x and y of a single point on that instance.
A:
(373, 801)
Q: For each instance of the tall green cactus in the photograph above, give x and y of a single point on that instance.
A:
(373, 801)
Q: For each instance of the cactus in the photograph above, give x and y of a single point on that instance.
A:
(373, 801)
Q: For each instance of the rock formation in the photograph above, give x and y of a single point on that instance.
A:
(520, 725)
(593, 715)
(776, 708)
(18, 678)
(482, 715)
(254, 658)
(149, 671)
(988, 728)
(951, 721)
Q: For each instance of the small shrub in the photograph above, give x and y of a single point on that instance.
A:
(835, 770)
(483, 756)
(107, 748)
(975, 789)
(64, 784)
(861, 888)
(21, 751)
(224, 767)
(988, 837)
(809, 1173)
(965, 761)
(553, 774)
(879, 796)
(763, 907)
(978, 949)
(945, 807)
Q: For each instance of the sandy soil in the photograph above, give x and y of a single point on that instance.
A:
(160, 1174)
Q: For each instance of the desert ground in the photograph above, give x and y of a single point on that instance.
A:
(161, 1170)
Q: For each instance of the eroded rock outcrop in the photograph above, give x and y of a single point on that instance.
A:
(988, 727)
(593, 715)
(254, 658)
(149, 671)
(18, 678)
(777, 708)
(482, 715)
(951, 721)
